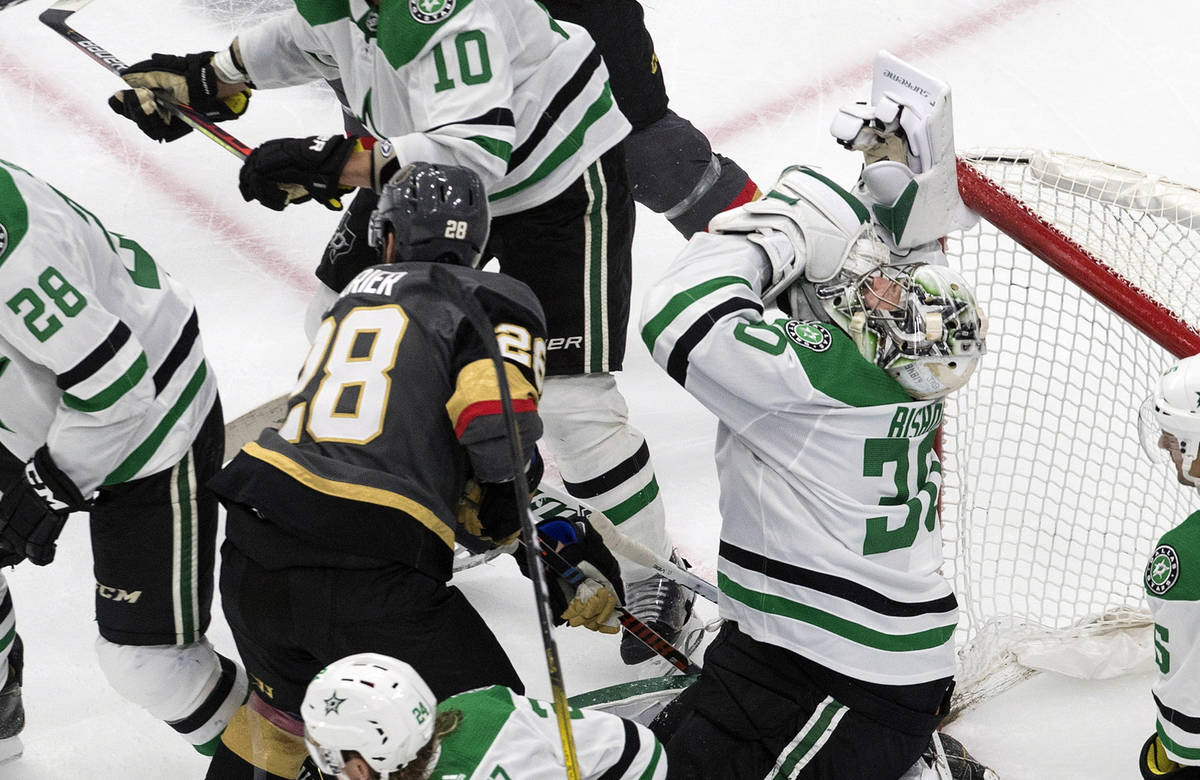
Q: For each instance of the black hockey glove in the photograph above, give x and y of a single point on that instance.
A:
(591, 602)
(488, 510)
(34, 507)
(189, 79)
(294, 170)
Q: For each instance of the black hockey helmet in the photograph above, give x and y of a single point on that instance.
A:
(438, 214)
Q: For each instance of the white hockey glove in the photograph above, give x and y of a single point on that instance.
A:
(805, 225)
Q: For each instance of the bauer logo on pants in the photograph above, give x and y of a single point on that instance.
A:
(430, 11)
(1163, 570)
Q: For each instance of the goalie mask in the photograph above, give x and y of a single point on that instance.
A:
(369, 703)
(1174, 410)
(918, 322)
(437, 214)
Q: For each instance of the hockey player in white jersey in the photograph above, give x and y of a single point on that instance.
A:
(108, 406)
(1170, 424)
(522, 99)
(371, 717)
(836, 659)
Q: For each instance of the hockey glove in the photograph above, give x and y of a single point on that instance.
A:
(294, 170)
(593, 602)
(34, 507)
(190, 80)
(488, 511)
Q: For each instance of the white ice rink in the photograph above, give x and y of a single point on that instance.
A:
(1111, 79)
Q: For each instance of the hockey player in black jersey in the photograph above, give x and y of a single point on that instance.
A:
(341, 525)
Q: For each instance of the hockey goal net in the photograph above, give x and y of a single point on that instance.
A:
(1090, 275)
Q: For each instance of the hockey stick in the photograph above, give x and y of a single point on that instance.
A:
(549, 501)
(648, 636)
(55, 17)
(541, 589)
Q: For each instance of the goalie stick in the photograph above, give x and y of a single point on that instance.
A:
(549, 502)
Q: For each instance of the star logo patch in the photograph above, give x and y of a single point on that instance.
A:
(430, 11)
(332, 703)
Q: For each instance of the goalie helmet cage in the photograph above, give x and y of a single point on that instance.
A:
(1090, 276)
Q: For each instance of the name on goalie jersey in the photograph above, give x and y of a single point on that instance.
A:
(810, 335)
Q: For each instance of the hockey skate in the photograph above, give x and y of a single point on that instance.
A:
(660, 603)
(963, 765)
(12, 711)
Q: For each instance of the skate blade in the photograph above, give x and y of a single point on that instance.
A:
(10, 749)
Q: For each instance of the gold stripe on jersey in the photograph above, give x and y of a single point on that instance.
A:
(477, 384)
(263, 745)
(353, 492)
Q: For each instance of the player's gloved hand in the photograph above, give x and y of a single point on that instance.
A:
(592, 603)
(294, 170)
(487, 511)
(190, 80)
(34, 507)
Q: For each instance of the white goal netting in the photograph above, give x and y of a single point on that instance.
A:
(1050, 509)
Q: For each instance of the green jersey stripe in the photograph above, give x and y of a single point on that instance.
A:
(680, 301)
(634, 504)
(847, 629)
(566, 149)
(490, 709)
(143, 452)
(14, 215)
(1191, 754)
(493, 146)
(812, 735)
(187, 629)
(111, 394)
(653, 764)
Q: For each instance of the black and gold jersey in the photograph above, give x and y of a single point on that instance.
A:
(395, 407)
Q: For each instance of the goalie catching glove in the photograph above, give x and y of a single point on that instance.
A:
(33, 509)
(190, 80)
(294, 170)
(593, 601)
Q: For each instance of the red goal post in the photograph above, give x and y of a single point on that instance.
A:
(1090, 275)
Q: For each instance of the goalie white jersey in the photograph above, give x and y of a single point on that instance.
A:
(830, 540)
(100, 352)
(498, 87)
(503, 735)
(1173, 592)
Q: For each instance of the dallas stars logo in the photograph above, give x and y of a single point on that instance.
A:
(808, 334)
(1163, 570)
(430, 11)
(332, 703)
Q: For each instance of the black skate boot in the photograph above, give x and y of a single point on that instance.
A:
(12, 711)
(660, 603)
(963, 765)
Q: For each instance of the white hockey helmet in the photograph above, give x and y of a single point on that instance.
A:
(369, 703)
(918, 322)
(1174, 409)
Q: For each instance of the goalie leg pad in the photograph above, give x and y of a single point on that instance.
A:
(192, 688)
(604, 461)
